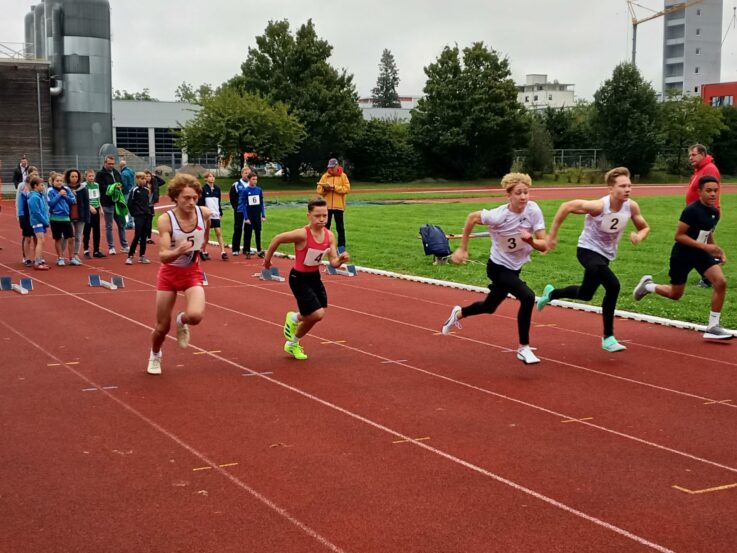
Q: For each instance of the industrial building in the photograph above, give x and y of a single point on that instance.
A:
(537, 93)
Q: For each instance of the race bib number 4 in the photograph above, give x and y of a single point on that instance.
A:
(254, 200)
(314, 257)
(612, 223)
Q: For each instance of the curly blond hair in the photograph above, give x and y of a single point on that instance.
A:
(510, 180)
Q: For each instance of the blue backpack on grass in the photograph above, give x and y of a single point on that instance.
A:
(435, 241)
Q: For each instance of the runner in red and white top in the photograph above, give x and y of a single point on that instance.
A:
(313, 243)
(182, 232)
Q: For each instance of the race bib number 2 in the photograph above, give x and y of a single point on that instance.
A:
(612, 223)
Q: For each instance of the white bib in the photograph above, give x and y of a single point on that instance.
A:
(703, 236)
(314, 257)
(254, 200)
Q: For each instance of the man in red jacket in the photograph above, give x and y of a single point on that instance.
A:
(703, 164)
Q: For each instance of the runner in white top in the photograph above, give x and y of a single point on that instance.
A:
(182, 232)
(604, 226)
(516, 229)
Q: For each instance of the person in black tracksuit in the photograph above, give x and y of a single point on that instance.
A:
(139, 202)
(154, 182)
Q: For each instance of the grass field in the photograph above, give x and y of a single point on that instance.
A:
(385, 237)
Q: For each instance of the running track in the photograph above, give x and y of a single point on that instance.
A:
(390, 438)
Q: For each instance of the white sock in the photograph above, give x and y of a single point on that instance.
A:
(179, 318)
(295, 317)
(156, 354)
(650, 287)
(290, 343)
(713, 319)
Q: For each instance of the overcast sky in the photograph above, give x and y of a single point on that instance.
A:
(157, 44)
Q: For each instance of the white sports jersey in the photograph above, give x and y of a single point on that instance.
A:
(507, 248)
(601, 234)
(196, 238)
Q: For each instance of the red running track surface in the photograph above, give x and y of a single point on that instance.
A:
(390, 437)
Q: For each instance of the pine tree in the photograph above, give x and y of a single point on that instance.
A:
(385, 94)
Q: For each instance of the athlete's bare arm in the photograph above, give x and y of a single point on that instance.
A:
(298, 237)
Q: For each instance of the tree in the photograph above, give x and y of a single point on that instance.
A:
(144, 95)
(384, 95)
(294, 69)
(570, 127)
(539, 156)
(382, 152)
(626, 120)
(686, 120)
(232, 123)
(724, 146)
(186, 93)
(469, 121)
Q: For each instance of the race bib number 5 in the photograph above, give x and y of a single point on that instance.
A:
(194, 243)
(314, 257)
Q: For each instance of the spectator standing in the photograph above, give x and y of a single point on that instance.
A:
(93, 225)
(333, 186)
(20, 173)
(235, 193)
(105, 177)
(38, 210)
(251, 204)
(139, 209)
(79, 212)
(128, 180)
(212, 199)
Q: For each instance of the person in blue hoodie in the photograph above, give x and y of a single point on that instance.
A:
(38, 214)
(61, 199)
(128, 180)
(251, 204)
(235, 195)
(21, 209)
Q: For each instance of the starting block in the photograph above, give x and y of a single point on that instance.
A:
(115, 282)
(204, 279)
(349, 271)
(24, 286)
(270, 274)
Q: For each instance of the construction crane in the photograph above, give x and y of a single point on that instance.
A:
(666, 11)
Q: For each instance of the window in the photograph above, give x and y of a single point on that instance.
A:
(698, 51)
(534, 98)
(698, 12)
(167, 152)
(550, 97)
(696, 89)
(133, 139)
(696, 70)
(527, 99)
(698, 32)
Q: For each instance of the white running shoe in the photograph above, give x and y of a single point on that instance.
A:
(717, 333)
(182, 335)
(111, 251)
(126, 249)
(452, 320)
(640, 291)
(154, 365)
(129, 261)
(525, 355)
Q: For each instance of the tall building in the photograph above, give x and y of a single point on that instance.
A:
(692, 46)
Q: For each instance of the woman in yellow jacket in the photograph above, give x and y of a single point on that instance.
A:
(333, 186)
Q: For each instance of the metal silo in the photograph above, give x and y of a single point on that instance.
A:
(79, 53)
(39, 31)
(29, 36)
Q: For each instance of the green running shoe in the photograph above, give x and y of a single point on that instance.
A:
(290, 327)
(544, 300)
(295, 350)
(611, 345)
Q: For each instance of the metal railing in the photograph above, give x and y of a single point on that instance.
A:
(585, 158)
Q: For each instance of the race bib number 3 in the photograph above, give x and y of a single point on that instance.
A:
(612, 223)
(314, 257)
(511, 243)
(254, 200)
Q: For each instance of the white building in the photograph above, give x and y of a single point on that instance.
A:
(537, 93)
(389, 114)
(692, 46)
